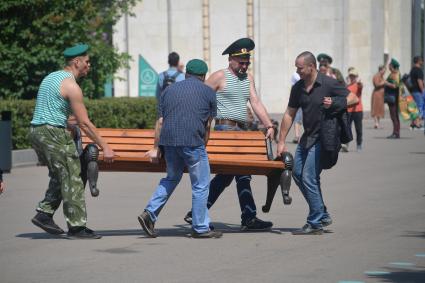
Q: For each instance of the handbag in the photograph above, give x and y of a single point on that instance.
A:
(389, 98)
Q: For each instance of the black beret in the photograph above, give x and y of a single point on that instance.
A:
(241, 47)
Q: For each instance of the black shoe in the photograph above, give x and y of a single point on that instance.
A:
(82, 233)
(393, 136)
(326, 221)
(147, 224)
(206, 235)
(188, 220)
(308, 230)
(45, 222)
(256, 224)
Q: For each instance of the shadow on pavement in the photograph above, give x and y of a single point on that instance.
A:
(418, 234)
(401, 138)
(401, 276)
(182, 230)
(42, 236)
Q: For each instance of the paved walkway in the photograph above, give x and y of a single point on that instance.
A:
(376, 197)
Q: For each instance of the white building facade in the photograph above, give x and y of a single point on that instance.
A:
(354, 32)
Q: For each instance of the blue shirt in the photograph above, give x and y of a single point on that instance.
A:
(170, 72)
(185, 108)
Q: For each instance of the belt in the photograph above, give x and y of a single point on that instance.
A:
(229, 123)
(48, 126)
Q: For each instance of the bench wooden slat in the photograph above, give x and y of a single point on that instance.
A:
(122, 140)
(210, 149)
(233, 149)
(135, 133)
(150, 133)
(124, 155)
(237, 156)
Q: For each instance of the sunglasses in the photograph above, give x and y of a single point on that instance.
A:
(244, 63)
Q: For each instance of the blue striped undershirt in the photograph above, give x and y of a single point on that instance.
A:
(232, 100)
(51, 107)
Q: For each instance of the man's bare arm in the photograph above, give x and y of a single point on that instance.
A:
(259, 108)
(71, 91)
(285, 126)
(154, 154)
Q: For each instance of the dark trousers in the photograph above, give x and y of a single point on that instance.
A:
(357, 118)
(393, 107)
(243, 186)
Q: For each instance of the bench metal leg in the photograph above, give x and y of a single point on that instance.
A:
(285, 178)
(282, 178)
(273, 182)
(89, 168)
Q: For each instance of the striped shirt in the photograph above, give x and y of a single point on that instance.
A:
(232, 100)
(51, 107)
(185, 108)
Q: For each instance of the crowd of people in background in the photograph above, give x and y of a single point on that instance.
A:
(404, 96)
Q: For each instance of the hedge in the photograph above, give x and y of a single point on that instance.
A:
(132, 113)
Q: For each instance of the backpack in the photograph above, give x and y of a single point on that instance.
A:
(169, 80)
(407, 81)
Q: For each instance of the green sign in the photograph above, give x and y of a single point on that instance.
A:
(148, 78)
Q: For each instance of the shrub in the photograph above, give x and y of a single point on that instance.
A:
(131, 113)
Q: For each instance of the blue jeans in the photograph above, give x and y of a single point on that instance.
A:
(419, 99)
(299, 116)
(306, 174)
(243, 186)
(196, 161)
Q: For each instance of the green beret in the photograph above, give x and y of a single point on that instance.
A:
(323, 56)
(75, 50)
(394, 63)
(241, 47)
(196, 67)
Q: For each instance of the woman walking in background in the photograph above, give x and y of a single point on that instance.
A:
(355, 112)
(378, 96)
(391, 95)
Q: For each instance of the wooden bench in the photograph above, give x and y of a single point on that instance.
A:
(229, 152)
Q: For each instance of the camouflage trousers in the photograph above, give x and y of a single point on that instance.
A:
(55, 148)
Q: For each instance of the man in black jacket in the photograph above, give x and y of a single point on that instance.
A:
(312, 92)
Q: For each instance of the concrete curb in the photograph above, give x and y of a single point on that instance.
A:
(24, 157)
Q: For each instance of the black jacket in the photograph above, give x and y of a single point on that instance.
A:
(334, 130)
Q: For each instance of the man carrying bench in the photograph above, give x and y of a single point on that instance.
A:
(185, 113)
(235, 87)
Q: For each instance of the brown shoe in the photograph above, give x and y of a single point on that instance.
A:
(207, 235)
(147, 224)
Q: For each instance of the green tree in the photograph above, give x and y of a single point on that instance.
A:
(34, 34)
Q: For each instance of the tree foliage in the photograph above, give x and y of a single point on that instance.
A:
(34, 34)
